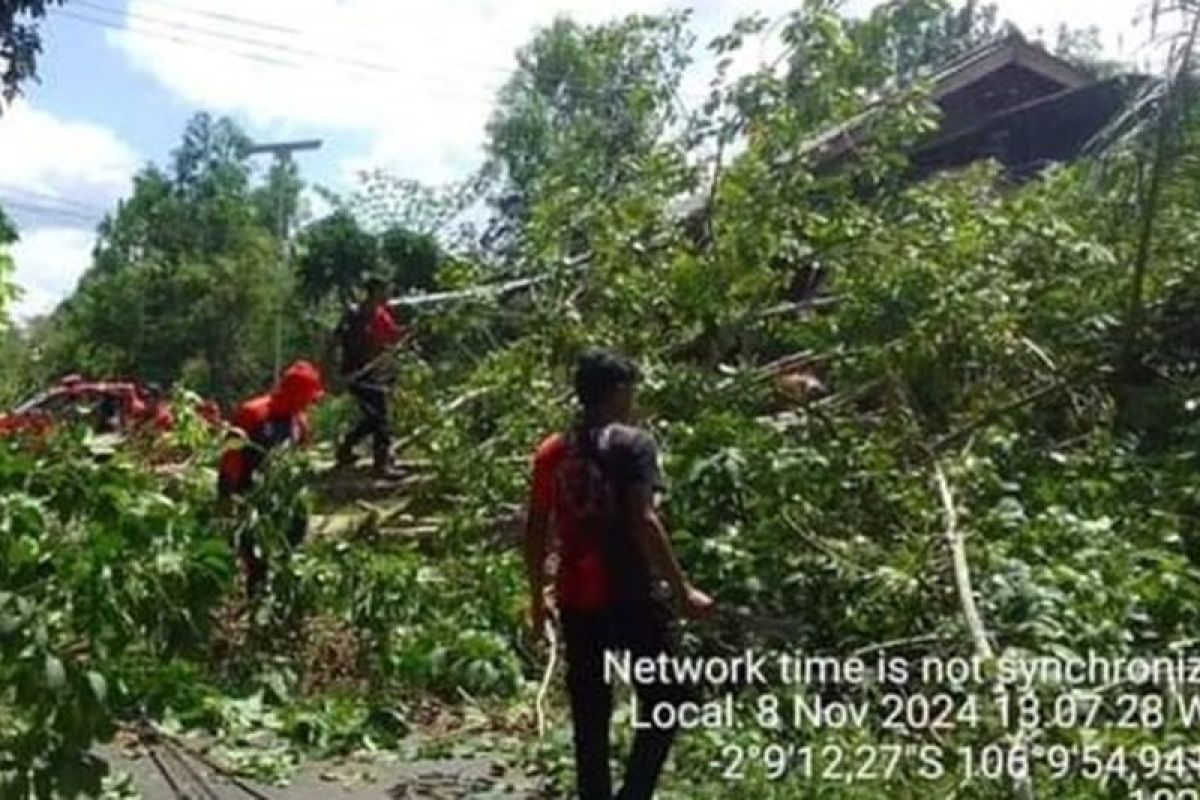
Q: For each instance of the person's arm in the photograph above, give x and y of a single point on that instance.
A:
(536, 541)
(537, 528)
(301, 430)
(230, 476)
(655, 545)
(651, 534)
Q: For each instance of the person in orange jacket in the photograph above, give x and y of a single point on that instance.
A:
(265, 422)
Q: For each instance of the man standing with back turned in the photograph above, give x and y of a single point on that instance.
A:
(597, 482)
(367, 332)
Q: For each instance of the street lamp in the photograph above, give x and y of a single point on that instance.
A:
(283, 157)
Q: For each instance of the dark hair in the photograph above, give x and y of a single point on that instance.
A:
(375, 284)
(600, 372)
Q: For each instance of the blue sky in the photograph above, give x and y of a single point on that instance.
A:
(385, 83)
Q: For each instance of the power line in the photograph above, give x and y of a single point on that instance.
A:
(274, 27)
(48, 212)
(289, 55)
(32, 205)
(52, 198)
(224, 16)
(283, 47)
(63, 12)
(294, 64)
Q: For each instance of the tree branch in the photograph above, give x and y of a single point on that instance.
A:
(1022, 784)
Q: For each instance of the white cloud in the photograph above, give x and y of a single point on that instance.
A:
(57, 178)
(418, 78)
(45, 158)
(49, 262)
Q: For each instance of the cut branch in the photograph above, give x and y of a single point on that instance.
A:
(896, 644)
(991, 416)
(962, 571)
(1022, 784)
(821, 547)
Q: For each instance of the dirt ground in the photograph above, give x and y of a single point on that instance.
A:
(449, 779)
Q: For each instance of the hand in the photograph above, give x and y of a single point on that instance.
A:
(695, 604)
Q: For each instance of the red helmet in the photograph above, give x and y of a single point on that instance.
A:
(299, 387)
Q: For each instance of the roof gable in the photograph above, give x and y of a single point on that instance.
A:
(1013, 50)
(984, 66)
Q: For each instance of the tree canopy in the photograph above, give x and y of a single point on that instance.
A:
(590, 99)
(186, 278)
(20, 43)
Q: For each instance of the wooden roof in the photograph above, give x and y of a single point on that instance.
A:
(955, 79)
(1012, 50)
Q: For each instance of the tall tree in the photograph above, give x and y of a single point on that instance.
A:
(594, 98)
(412, 259)
(186, 280)
(338, 254)
(20, 43)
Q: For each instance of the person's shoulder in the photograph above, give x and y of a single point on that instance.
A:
(550, 448)
(252, 412)
(631, 437)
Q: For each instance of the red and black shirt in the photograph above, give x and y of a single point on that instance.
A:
(268, 421)
(583, 479)
(366, 332)
(264, 430)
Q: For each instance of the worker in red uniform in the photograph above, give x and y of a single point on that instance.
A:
(596, 484)
(366, 332)
(264, 423)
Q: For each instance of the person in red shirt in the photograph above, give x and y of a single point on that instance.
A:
(366, 333)
(264, 423)
(595, 484)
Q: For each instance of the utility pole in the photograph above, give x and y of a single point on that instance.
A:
(283, 158)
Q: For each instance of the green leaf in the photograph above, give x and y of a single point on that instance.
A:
(56, 673)
(98, 685)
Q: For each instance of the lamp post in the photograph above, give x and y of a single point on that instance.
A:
(283, 158)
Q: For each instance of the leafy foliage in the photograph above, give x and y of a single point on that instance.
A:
(195, 247)
(20, 43)
(967, 324)
(339, 254)
(8, 235)
(104, 574)
(592, 98)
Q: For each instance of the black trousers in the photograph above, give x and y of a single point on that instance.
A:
(642, 632)
(372, 398)
(255, 565)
